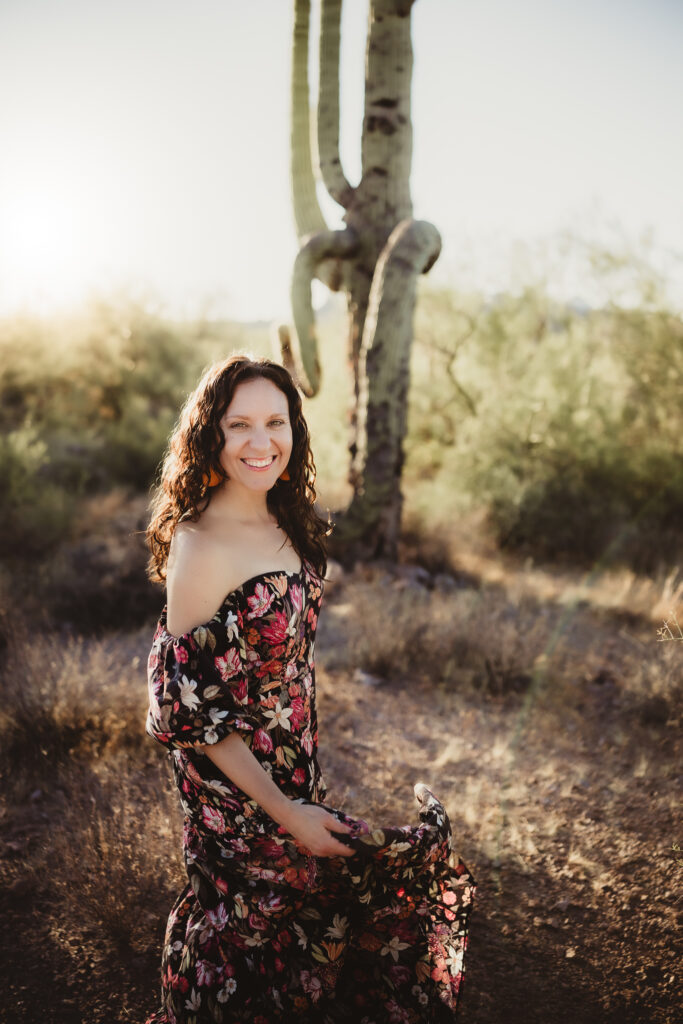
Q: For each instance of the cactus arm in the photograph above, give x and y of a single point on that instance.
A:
(328, 106)
(308, 216)
(300, 349)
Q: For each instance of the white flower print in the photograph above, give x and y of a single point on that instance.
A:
(217, 716)
(394, 947)
(337, 929)
(195, 1000)
(279, 716)
(228, 989)
(187, 694)
(231, 626)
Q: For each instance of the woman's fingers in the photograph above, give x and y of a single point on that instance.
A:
(337, 826)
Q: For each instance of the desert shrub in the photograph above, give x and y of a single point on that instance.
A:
(88, 403)
(118, 824)
(564, 422)
(61, 697)
(36, 512)
(478, 638)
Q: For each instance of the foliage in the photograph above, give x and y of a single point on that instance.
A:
(87, 404)
(566, 423)
(562, 421)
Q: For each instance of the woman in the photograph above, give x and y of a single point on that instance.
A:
(293, 912)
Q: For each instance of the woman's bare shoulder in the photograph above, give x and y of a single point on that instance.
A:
(198, 567)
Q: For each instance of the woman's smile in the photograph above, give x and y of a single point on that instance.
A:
(260, 464)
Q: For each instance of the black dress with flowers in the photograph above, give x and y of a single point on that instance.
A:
(264, 931)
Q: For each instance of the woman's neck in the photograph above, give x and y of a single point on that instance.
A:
(239, 504)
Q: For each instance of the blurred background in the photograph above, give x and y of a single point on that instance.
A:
(146, 229)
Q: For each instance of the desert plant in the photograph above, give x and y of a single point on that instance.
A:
(375, 259)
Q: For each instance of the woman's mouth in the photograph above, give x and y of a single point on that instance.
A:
(258, 465)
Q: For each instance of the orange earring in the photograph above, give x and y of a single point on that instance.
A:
(213, 478)
(284, 475)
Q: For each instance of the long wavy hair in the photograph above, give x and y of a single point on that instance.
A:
(192, 464)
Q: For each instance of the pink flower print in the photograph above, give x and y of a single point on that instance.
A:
(291, 672)
(218, 918)
(262, 741)
(311, 985)
(296, 595)
(399, 974)
(277, 627)
(312, 618)
(260, 601)
(213, 819)
(397, 1015)
(298, 776)
(240, 690)
(307, 741)
(298, 712)
(204, 972)
(230, 664)
(180, 653)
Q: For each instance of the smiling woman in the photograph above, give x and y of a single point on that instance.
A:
(293, 910)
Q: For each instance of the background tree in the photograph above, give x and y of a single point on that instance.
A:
(375, 259)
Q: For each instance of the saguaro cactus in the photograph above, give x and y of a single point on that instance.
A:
(375, 259)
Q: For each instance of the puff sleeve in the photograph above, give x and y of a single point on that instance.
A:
(198, 688)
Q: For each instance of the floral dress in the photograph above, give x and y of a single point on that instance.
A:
(264, 931)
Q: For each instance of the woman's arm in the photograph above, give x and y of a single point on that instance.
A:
(310, 825)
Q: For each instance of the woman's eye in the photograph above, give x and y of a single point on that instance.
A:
(233, 426)
(276, 423)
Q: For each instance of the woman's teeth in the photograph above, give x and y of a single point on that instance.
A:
(259, 463)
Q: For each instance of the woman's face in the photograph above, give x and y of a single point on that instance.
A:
(258, 434)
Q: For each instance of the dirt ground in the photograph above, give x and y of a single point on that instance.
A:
(563, 798)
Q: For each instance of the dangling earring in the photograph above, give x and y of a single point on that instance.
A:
(212, 479)
(284, 475)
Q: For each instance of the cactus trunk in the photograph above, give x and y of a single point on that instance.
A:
(375, 259)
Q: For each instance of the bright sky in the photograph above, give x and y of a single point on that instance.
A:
(145, 142)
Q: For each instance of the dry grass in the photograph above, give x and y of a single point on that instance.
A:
(61, 696)
(466, 545)
(480, 639)
(548, 729)
(118, 851)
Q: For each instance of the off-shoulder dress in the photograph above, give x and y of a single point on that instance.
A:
(264, 931)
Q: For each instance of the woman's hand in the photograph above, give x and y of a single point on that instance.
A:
(312, 826)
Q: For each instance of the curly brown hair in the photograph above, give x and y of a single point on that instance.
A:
(192, 461)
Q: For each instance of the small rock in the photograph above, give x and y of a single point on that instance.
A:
(335, 571)
(570, 952)
(445, 582)
(36, 795)
(414, 576)
(366, 678)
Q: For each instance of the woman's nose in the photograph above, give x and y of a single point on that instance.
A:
(260, 439)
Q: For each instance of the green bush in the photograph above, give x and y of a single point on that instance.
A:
(35, 511)
(566, 424)
(87, 405)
